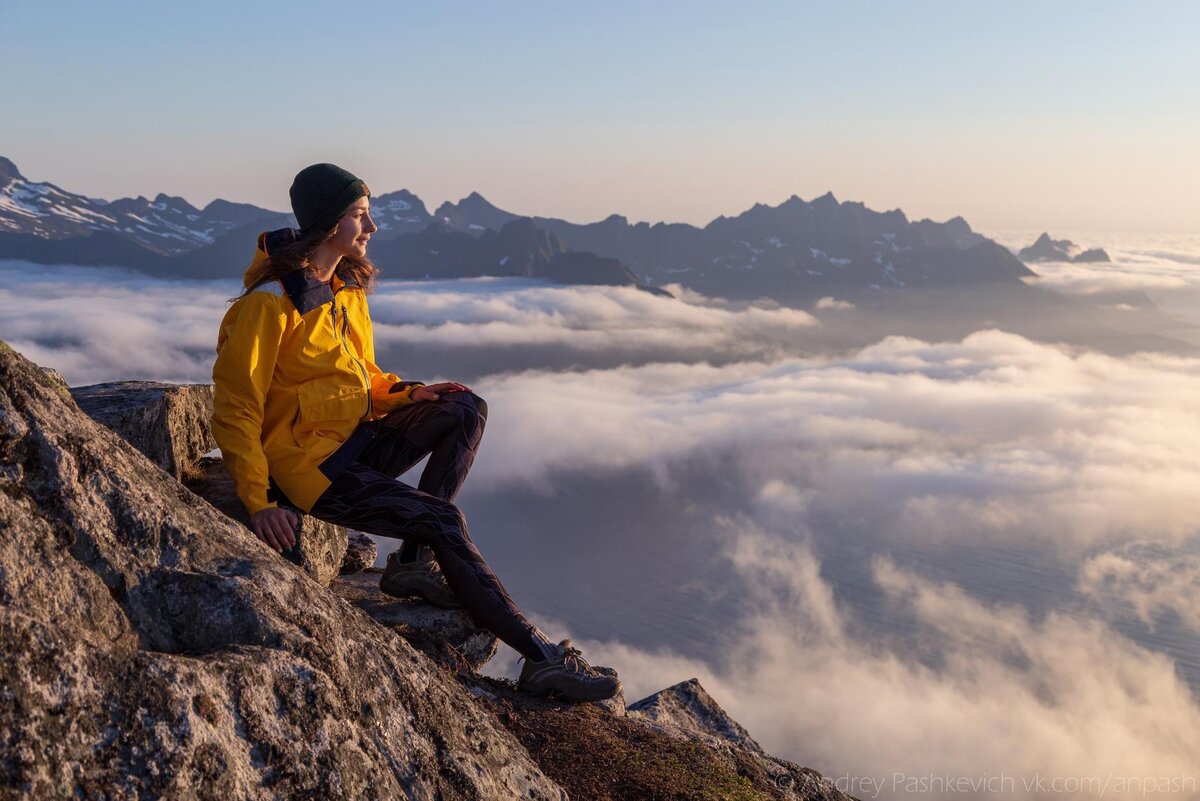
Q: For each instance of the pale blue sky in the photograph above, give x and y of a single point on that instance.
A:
(1016, 115)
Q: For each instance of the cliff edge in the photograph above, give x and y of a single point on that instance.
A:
(151, 647)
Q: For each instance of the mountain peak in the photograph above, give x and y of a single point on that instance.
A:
(826, 199)
(475, 203)
(175, 202)
(9, 171)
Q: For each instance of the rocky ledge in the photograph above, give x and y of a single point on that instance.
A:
(151, 647)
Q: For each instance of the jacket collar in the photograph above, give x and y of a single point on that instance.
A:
(305, 292)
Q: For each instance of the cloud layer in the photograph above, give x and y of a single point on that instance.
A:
(975, 555)
(978, 690)
(991, 437)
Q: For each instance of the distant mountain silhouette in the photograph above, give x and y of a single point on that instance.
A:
(793, 253)
(1093, 254)
(518, 249)
(93, 249)
(399, 213)
(1047, 249)
(166, 225)
(474, 215)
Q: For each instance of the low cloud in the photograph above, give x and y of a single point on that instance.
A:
(1155, 264)
(1148, 580)
(1081, 279)
(595, 319)
(95, 325)
(833, 304)
(872, 558)
(994, 437)
(99, 324)
(982, 689)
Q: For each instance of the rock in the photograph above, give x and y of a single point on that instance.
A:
(150, 647)
(1047, 249)
(687, 711)
(360, 553)
(448, 635)
(320, 547)
(689, 707)
(167, 422)
(170, 424)
(1092, 255)
(616, 704)
(600, 756)
(57, 379)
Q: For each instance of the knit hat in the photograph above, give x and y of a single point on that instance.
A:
(322, 193)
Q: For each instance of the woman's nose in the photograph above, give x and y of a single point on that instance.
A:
(371, 226)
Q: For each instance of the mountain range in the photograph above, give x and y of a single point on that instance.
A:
(793, 253)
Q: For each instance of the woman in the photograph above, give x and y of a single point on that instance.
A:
(305, 418)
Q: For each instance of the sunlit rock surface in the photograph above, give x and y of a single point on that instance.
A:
(150, 647)
(446, 634)
(169, 423)
(320, 547)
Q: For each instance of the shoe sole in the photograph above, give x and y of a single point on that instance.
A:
(412, 594)
(552, 694)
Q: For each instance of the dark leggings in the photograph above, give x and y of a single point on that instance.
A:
(366, 496)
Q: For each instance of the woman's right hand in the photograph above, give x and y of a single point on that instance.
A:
(276, 527)
(432, 392)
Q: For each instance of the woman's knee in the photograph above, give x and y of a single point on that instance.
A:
(480, 405)
(444, 523)
(466, 405)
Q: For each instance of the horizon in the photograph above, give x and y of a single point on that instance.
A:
(431, 207)
(1022, 118)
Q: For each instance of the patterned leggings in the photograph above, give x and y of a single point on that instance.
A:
(367, 496)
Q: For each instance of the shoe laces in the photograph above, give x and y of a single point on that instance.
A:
(573, 660)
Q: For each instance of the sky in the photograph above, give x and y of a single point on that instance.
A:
(1022, 115)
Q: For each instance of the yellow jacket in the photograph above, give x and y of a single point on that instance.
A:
(295, 376)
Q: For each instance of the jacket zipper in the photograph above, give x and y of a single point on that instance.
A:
(346, 347)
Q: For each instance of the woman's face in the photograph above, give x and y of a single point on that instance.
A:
(354, 229)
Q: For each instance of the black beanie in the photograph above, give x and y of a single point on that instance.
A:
(322, 193)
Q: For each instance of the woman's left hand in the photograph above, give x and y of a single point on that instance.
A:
(432, 392)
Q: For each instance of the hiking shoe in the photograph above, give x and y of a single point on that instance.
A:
(420, 579)
(569, 675)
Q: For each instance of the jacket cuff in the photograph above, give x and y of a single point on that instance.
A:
(404, 386)
(255, 508)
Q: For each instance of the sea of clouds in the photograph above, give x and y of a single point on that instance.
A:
(974, 557)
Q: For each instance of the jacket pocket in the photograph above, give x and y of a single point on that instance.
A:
(328, 411)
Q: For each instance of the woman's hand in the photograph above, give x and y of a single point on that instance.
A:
(432, 392)
(276, 527)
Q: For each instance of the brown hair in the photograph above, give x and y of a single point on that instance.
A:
(295, 255)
